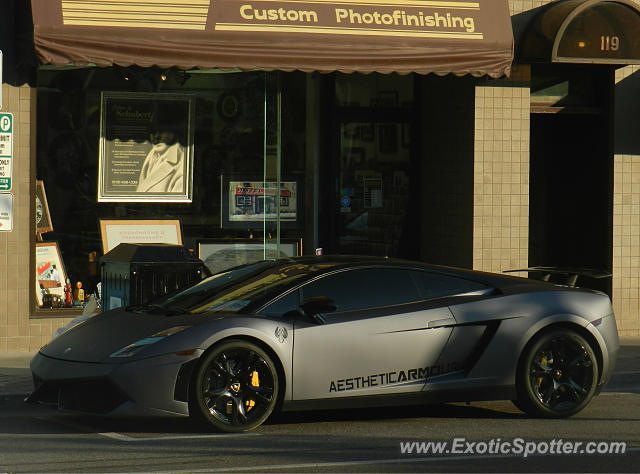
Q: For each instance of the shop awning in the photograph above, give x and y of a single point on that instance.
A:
(579, 31)
(442, 37)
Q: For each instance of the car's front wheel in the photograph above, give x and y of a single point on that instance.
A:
(236, 387)
(558, 375)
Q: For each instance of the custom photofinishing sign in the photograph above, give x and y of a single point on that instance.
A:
(420, 19)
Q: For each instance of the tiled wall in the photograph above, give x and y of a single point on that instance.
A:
(17, 332)
(626, 207)
(501, 175)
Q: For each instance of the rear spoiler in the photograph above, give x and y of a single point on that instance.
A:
(570, 273)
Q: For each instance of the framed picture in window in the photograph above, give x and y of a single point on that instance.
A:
(222, 254)
(115, 232)
(51, 276)
(248, 202)
(146, 147)
(43, 217)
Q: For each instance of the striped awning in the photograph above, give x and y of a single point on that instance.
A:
(442, 37)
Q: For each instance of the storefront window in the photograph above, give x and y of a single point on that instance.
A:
(228, 150)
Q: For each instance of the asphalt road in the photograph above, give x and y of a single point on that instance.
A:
(38, 439)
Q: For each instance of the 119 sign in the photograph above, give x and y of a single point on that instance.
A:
(609, 43)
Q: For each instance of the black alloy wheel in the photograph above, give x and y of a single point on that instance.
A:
(557, 376)
(236, 387)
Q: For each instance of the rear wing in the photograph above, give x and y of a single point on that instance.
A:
(571, 274)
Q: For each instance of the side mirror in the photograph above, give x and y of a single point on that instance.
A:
(314, 306)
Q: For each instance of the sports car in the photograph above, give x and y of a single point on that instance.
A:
(335, 332)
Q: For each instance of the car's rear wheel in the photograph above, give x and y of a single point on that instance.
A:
(558, 375)
(236, 387)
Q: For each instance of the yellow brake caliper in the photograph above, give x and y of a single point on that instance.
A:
(543, 362)
(255, 382)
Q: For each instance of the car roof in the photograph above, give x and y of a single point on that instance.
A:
(328, 263)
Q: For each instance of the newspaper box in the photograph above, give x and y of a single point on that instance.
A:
(138, 273)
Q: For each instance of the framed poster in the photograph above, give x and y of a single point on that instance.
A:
(220, 255)
(248, 203)
(43, 218)
(50, 274)
(146, 147)
(114, 232)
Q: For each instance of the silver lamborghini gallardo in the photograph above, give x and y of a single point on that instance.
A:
(335, 332)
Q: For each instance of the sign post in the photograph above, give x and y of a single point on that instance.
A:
(6, 151)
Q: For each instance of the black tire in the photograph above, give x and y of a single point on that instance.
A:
(235, 388)
(558, 375)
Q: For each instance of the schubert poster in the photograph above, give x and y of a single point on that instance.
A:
(146, 147)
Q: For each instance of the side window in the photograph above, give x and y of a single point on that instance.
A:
(282, 305)
(434, 285)
(364, 288)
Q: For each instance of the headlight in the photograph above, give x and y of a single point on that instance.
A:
(137, 346)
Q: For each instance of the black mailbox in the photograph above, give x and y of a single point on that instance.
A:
(138, 273)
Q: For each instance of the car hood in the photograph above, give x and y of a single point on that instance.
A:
(97, 338)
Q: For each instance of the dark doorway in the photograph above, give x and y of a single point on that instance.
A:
(571, 180)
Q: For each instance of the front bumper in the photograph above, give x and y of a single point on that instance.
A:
(155, 386)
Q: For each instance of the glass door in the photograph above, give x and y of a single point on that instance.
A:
(251, 186)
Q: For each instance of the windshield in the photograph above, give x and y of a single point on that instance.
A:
(236, 289)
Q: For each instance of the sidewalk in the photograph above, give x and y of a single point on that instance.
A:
(15, 376)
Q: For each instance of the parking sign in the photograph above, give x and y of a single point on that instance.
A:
(6, 151)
